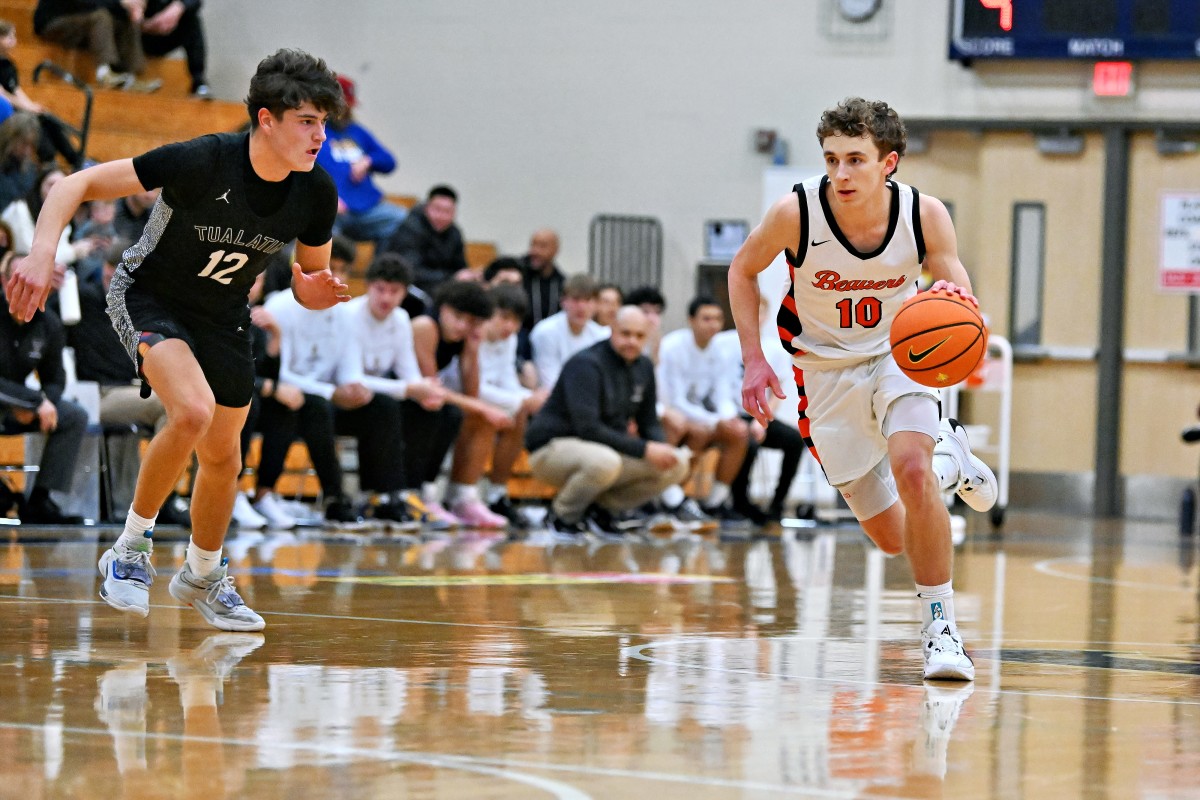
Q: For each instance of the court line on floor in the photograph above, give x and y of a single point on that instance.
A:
(498, 767)
(635, 652)
(1046, 567)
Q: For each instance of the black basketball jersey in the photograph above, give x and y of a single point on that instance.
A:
(205, 243)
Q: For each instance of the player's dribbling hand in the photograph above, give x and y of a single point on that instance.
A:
(29, 286)
(953, 288)
(759, 377)
(319, 289)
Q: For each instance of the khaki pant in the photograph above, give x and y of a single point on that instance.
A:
(123, 405)
(587, 472)
(111, 40)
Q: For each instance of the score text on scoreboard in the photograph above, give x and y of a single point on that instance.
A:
(1075, 29)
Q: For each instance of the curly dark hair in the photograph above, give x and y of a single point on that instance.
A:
(466, 297)
(290, 78)
(855, 117)
(390, 267)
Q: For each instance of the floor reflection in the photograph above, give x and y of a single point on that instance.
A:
(471, 665)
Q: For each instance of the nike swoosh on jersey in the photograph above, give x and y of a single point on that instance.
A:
(917, 358)
(815, 243)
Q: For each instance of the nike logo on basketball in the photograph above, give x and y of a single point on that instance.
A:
(815, 243)
(225, 196)
(917, 358)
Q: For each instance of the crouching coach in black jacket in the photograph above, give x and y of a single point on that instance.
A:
(598, 438)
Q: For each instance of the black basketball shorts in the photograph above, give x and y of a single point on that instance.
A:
(223, 351)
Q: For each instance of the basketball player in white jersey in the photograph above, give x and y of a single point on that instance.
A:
(855, 240)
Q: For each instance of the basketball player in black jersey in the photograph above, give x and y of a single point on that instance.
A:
(178, 302)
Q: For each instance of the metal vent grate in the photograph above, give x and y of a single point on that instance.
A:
(626, 251)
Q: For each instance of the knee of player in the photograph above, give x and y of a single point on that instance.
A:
(193, 416)
(891, 547)
(913, 473)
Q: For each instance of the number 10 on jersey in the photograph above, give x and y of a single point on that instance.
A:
(867, 312)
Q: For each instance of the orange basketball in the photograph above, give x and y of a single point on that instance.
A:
(938, 338)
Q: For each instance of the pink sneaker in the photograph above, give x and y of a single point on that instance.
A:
(438, 511)
(475, 514)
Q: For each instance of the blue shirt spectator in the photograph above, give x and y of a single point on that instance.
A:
(351, 154)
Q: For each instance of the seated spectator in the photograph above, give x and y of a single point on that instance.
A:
(543, 279)
(18, 167)
(608, 300)
(108, 31)
(598, 439)
(55, 138)
(101, 232)
(504, 270)
(562, 335)
(652, 303)
(319, 394)
(384, 333)
(133, 212)
(447, 345)
(776, 435)
(699, 409)
(498, 385)
(351, 155)
(33, 347)
(430, 241)
(170, 24)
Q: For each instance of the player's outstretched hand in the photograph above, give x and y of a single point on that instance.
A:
(953, 288)
(317, 290)
(758, 378)
(29, 286)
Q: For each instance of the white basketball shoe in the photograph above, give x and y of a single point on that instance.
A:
(977, 484)
(945, 657)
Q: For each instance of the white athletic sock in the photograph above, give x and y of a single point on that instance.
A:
(672, 496)
(429, 492)
(461, 493)
(496, 492)
(202, 561)
(718, 495)
(138, 530)
(947, 471)
(937, 602)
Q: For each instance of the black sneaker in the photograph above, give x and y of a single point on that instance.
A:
(753, 513)
(691, 517)
(556, 524)
(175, 512)
(727, 517)
(394, 515)
(506, 509)
(340, 512)
(41, 510)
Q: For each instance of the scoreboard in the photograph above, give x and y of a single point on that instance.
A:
(1088, 30)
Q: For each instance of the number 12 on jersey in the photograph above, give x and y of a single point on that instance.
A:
(238, 260)
(867, 312)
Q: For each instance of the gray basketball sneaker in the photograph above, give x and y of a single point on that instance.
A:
(977, 484)
(127, 574)
(215, 598)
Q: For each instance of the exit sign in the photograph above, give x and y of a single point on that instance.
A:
(1112, 79)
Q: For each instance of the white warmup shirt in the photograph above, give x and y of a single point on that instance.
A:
(694, 381)
(498, 382)
(389, 360)
(553, 343)
(317, 353)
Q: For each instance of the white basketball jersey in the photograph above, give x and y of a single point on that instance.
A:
(842, 302)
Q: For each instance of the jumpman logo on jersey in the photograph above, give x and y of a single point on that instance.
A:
(225, 196)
